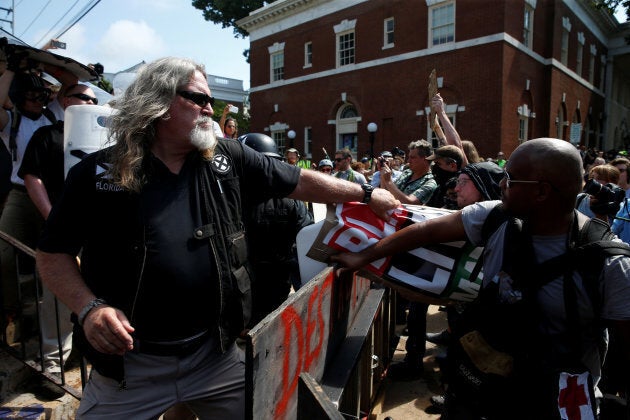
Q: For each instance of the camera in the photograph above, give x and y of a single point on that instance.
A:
(233, 109)
(607, 193)
(608, 197)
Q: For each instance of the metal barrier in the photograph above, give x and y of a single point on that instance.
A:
(321, 354)
(24, 351)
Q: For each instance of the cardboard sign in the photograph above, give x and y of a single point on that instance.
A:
(435, 273)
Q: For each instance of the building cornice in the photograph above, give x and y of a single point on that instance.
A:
(271, 12)
(604, 24)
(284, 14)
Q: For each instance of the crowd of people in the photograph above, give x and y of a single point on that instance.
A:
(203, 222)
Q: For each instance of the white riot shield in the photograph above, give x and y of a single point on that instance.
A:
(85, 132)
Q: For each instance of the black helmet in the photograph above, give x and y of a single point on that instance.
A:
(261, 143)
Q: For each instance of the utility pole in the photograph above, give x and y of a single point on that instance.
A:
(10, 13)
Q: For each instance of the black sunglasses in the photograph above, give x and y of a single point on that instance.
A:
(199, 98)
(41, 96)
(83, 97)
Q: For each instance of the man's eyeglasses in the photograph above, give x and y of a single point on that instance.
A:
(199, 98)
(462, 181)
(509, 180)
(83, 97)
(339, 159)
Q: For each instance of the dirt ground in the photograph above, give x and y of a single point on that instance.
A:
(407, 400)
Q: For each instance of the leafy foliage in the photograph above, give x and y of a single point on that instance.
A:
(227, 12)
(612, 5)
(242, 120)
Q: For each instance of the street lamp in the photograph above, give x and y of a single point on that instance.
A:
(372, 127)
(291, 136)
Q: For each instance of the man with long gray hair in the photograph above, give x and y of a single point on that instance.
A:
(164, 289)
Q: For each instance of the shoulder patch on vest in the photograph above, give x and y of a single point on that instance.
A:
(221, 163)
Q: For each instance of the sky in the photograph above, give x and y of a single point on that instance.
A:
(122, 33)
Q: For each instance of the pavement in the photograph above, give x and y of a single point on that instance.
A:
(409, 400)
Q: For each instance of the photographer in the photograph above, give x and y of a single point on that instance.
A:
(385, 158)
(601, 196)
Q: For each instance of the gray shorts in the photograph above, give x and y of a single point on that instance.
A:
(210, 384)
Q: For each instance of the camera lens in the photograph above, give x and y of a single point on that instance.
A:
(593, 187)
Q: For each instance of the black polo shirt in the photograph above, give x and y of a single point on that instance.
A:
(175, 297)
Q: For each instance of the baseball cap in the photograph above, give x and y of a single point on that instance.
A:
(386, 154)
(448, 152)
(292, 150)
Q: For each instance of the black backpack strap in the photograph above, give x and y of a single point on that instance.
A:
(591, 230)
(16, 118)
(50, 115)
(496, 218)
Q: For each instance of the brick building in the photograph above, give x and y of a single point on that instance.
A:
(508, 70)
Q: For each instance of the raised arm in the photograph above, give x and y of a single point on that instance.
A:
(450, 135)
(5, 84)
(318, 187)
(66, 78)
(388, 184)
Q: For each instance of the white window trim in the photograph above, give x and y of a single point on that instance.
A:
(271, 70)
(524, 114)
(386, 44)
(344, 27)
(530, 29)
(306, 55)
(435, 4)
(276, 48)
(591, 64)
(580, 53)
(338, 51)
(308, 146)
(346, 126)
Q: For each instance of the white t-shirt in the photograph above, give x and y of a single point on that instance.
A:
(24, 134)
(614, 283)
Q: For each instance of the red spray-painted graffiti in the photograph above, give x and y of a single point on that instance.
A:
(307, 341)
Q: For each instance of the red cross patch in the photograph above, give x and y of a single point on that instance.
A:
(574, 397)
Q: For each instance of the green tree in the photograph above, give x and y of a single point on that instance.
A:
(611, 6)
(242, 120)
(227, 12)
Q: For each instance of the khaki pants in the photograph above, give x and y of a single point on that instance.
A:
(212, 385)
(20, 219)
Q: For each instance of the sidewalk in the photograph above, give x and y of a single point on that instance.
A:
(409, 400)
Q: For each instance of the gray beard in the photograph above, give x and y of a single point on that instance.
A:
(203, 138)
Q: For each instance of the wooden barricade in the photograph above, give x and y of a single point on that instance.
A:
(335, 329)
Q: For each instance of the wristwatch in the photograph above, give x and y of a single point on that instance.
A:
(368, 188)
(87, 308)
